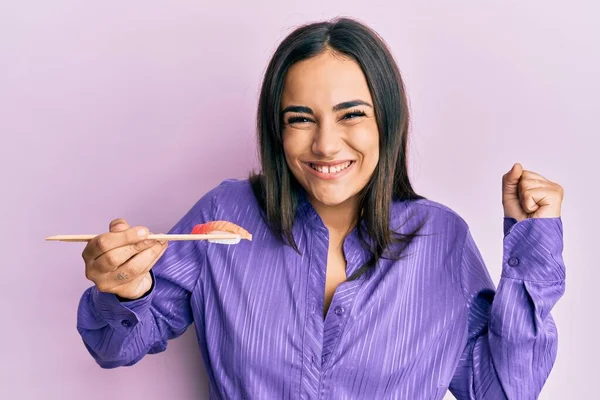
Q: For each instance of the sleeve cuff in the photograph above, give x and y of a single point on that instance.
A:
(122, 316)
(533, 249)
(508, 224)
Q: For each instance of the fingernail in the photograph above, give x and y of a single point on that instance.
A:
(148, 241)
(141, 232)
(162, 242)
(119, 226)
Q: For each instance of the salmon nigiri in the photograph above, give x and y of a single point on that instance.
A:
(222, 227)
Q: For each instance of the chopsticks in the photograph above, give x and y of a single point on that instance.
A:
(87, 238)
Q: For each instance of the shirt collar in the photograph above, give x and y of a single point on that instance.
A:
(354, 250)
(306, 213)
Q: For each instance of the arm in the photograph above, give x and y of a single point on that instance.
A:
(512, 338)
(118, 333)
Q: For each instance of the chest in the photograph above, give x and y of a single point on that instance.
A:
(335, 274)
(261, 312)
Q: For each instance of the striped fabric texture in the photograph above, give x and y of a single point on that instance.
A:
(409, 329)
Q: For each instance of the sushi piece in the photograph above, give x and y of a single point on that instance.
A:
(222, 227)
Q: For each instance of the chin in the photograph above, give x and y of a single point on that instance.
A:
(330, 199)
(329, 202)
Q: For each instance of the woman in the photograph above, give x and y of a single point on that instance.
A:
(354, 286)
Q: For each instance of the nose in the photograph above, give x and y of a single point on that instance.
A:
(327, 141)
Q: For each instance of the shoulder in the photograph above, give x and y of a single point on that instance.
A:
(232, 200)
(433, 215)
(226, 197)
(233, 190)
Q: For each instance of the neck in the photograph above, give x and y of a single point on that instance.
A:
(339, 219)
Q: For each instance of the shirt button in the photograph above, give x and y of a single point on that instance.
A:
(312, 358)
(323, 360)
(513, 261)
(339, 310)
(126, 323)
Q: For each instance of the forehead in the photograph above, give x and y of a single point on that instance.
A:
(324, 81)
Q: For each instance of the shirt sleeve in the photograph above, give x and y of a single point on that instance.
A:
(118, 333)
(512, 339)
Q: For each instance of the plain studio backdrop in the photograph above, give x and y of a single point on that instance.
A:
(135, 109)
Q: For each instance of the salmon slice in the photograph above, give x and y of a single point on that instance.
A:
(222, 227)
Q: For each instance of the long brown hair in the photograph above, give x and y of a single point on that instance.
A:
(275, 187)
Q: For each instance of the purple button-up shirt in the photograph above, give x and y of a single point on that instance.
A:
(409, 329)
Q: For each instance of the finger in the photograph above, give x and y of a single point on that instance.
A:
(117, 225)
(533, 198)
(140, 264)
(137, 266)
(533, 175)
(529, 184)
(113, 259)
(112, 240)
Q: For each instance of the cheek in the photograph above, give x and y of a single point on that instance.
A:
(371, 159)
(288, 147)
(376, 151)
(369, 147)
(295, 144)
(291, 150)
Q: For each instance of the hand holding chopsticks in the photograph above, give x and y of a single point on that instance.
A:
(214, 231)
(152, 236)
(119, 261)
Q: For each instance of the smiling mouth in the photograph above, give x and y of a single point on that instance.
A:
(331, 169)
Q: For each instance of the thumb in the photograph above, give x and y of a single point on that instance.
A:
(512, 177)
(118, 225)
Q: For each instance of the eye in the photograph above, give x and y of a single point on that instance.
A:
(298, 119)
(354, 114)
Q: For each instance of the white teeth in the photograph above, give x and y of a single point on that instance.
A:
(331, 169)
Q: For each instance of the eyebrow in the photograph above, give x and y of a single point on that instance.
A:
(337, 107)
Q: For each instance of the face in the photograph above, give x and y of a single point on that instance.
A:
(330, 135)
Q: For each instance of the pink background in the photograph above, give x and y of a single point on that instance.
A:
(135, 109)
